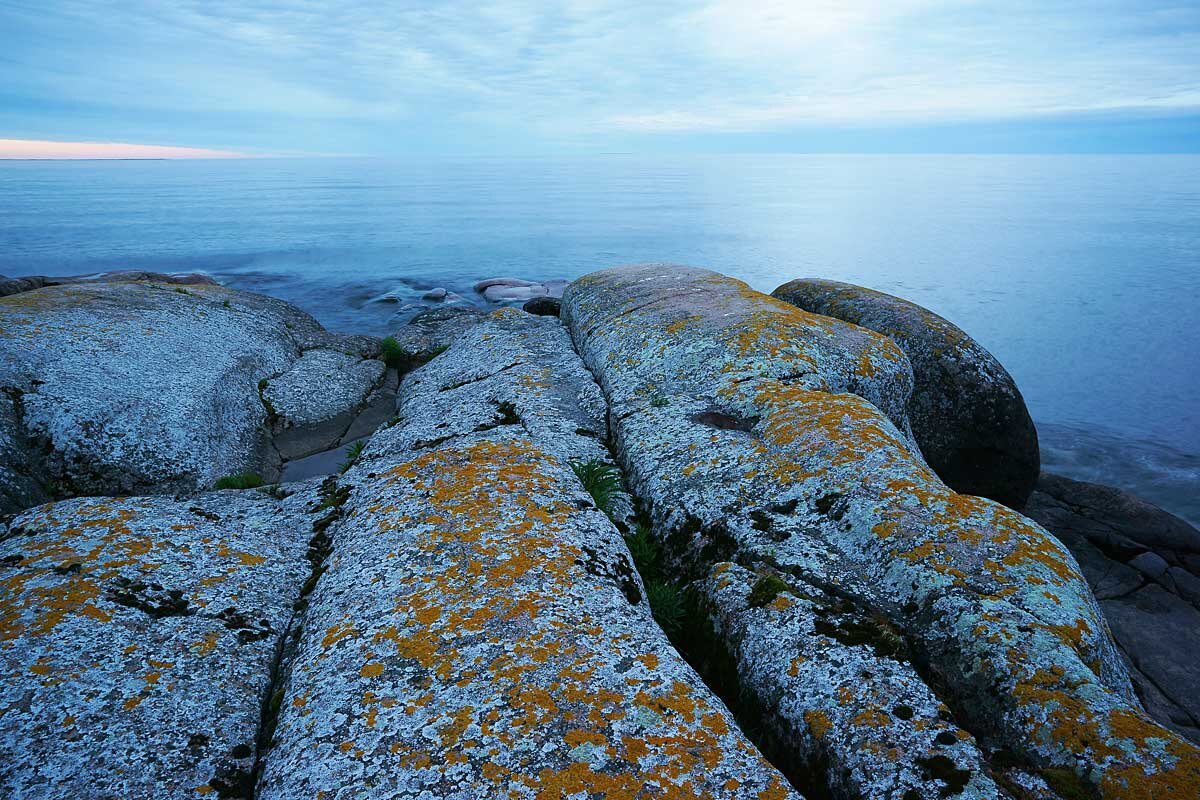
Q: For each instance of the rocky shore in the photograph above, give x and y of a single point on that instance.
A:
(655, 535)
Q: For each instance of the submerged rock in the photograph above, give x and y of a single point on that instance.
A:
(966, 411)
(756, 432)
(1143, 565)
(138, 637)
(479, 630)
(129, 387)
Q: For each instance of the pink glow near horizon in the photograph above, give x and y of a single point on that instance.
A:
(31, 148)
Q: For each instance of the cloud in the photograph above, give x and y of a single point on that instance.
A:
(29, 148)
(357, 75)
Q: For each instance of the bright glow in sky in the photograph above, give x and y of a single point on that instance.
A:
(530, 76)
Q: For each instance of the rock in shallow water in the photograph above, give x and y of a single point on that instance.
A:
(1142, 563)
(756, 432)
(966, 411)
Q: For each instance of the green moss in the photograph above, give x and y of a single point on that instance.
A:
(659, 400)
(240, 480)
(766, 589)
(602, 481)
(402, 359)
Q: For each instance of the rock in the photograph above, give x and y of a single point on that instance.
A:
(19, 486)
(507, 290)
(542, 306)
(478, 630)
(1160, 634)
(840, 692)
(1138, 560)
(314, 403)
(14, 285)
(754, 432)
(966, 411)
(130, 387)
(435, 294)
(138, 641)
(484, 285)
(429, 332)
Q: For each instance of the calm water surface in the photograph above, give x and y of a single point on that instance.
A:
(1080, 273)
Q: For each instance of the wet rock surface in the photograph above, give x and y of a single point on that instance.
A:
(1142, 563)
(759, 433)
(138, 637)
(966, 411)
(478, 629)
(127, 387)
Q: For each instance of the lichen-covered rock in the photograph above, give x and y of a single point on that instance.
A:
(756, 432)
(966, 411)
(1142, 563)
(479, 630)
(430, 332)
(134, 387)
(138, 637)
(837, 688)
(313, 404)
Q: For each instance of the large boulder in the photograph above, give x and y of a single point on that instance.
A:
(128, 387)
(479, 630)
(758, 433)
(966, 411)
(138, 641)
(1144, 566)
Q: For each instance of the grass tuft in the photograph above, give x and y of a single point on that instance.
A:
(352, 453)
(240, 480)
(602, 481)
(667, 606)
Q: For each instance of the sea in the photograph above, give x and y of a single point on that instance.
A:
(1081, 273)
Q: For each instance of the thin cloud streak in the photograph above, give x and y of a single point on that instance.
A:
(33, 149)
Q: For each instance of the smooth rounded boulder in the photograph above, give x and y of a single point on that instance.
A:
(966, 411)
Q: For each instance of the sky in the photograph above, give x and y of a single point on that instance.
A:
(301, 77)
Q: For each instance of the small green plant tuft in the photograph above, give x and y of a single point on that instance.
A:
(602, 481)
(225, 304)
(181, 290)
(392, 353)
(667, 606)
(644, 550)
(352, 453)
(766, 589)
(393, 422)
(659, 400)
(240, 480)
(262, 385)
